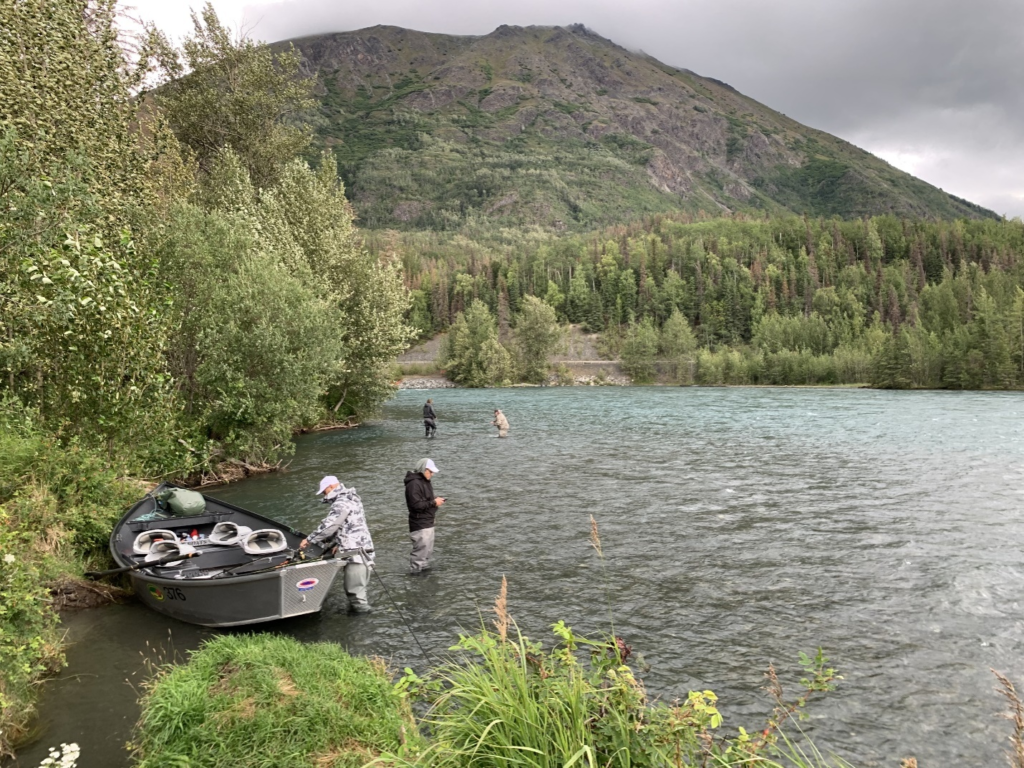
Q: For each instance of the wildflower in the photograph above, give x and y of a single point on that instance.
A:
(65, 757)
(9, 558)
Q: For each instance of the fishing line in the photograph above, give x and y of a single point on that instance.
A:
(426, 656)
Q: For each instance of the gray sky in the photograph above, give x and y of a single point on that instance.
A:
(936, 87)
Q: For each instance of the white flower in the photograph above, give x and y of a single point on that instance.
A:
(9, 558)
(69, 759)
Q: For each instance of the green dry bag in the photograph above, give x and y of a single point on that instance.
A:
(185, 503)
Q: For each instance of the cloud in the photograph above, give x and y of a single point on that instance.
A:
(930, 85)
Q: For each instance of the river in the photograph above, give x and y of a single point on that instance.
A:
(740, 526)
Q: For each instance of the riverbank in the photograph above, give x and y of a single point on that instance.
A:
(57, 507)
(560, 378)
(255, 700)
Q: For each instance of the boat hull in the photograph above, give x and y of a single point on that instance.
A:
(221, 584)
(229, 602)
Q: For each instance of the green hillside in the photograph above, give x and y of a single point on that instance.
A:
(561, 128)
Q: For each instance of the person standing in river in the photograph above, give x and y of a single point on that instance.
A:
(345, 528)
(423, 506)
(429, 418)
(500, 422)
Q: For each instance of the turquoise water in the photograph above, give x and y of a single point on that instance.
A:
(740, 526)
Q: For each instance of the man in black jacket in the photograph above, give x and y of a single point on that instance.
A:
(429, 418)
(423, 505)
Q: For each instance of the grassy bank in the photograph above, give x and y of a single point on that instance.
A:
(267, 700)
(501, 700)
(57, 507)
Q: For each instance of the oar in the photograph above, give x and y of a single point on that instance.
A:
(143, 564)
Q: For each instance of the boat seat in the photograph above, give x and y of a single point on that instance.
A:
(144, 541)
(162, 549)
(229, 534)
(265, 541)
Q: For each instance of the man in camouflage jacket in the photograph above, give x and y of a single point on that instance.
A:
(345, 528)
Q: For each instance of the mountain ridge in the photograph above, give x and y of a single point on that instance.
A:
(562, 128)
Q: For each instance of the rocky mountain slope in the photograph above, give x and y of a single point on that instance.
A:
(562, 128)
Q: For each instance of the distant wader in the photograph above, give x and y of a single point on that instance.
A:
(502, 424)
(429, 420)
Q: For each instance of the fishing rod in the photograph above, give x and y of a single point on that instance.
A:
(293, 555)
(151, 564)
(426, 656)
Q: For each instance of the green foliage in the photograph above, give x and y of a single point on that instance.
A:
(537, 335)
(772, 301)
(57, 506)
(221, 92)
(639, 351)
(472, 354)
(28, 640)
(630, 149)
(279, 312)
(774, 333)
(677, 345)
(254, 345)
(79, 335)
(243, 701)
(76, 110)
(891, 363)
(156, 314)
(508, 701)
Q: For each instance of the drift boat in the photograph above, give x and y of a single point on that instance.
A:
(207, 562)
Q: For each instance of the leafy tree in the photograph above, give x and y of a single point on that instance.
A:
(554, 297)
(774, 333)
(577, 301)
(419, 313)
(312, 215)
(220, 92)
(678, 345)
(66, 106)
(314, 270)
(537, 335)
(80, 336)
(639, 351)
(472, 354)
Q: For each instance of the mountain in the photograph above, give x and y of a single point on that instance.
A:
(561, 128)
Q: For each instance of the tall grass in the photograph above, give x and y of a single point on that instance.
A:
(505, 701)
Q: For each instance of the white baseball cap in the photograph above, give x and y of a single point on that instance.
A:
(424, 464)
(326, 483)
